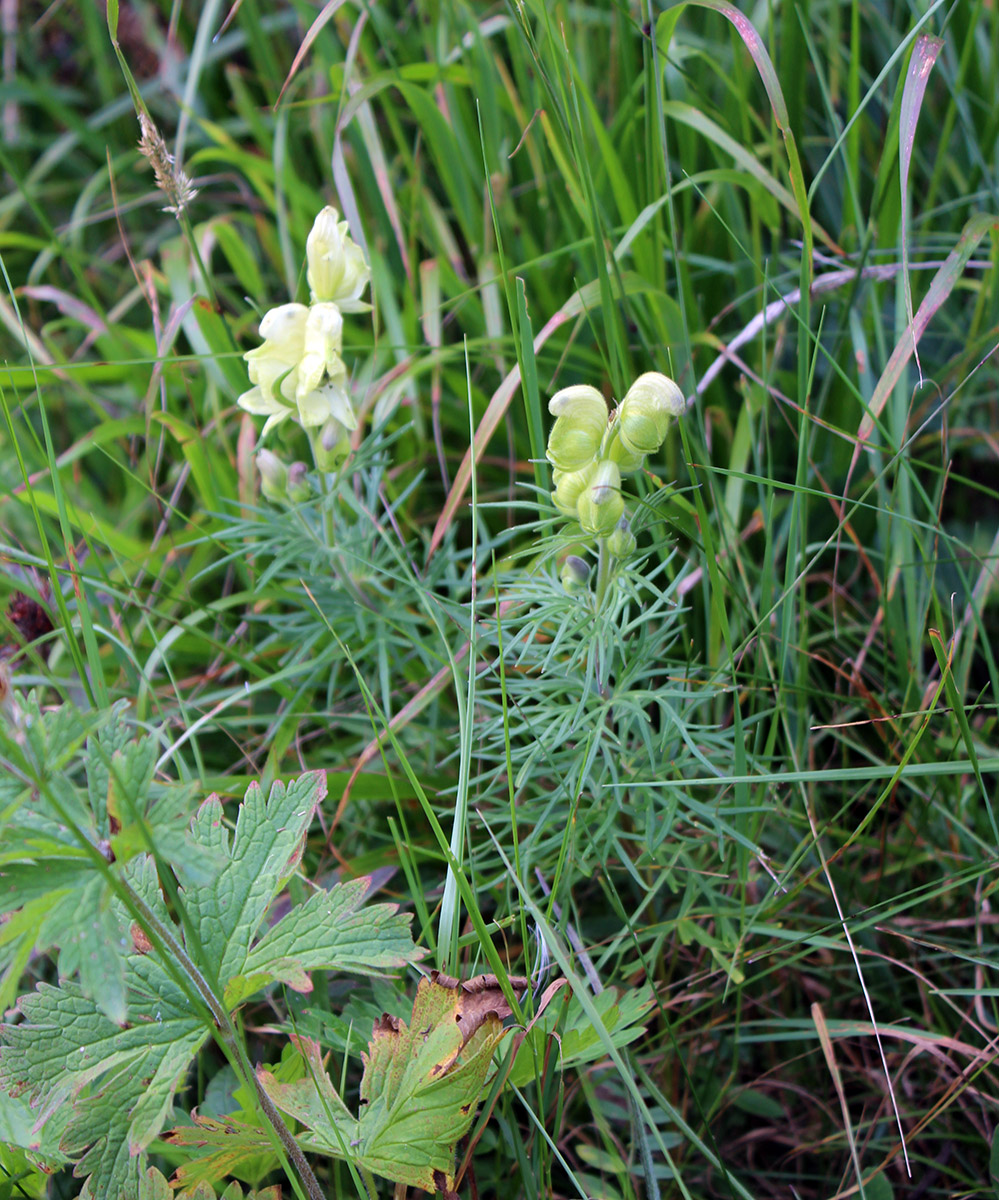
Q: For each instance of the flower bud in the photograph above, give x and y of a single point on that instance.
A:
(581, 422)
(574, 574)
(621, 543)
(331, 446)
(298, 484)
(644, 415)
(601, 504)
(337, 271)
(569, 486)
(273, 476)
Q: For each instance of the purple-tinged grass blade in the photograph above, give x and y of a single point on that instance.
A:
(924, 55)
(665, 25)
(940, 288)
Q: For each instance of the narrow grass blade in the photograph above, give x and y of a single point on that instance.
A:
(941, 286)
(924, 55)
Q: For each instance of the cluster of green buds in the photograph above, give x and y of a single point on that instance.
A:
(298, 372)
(591, 451)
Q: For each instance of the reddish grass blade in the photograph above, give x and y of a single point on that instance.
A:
(940, 288)
(924, 55)
(665, 26)
(313, 32)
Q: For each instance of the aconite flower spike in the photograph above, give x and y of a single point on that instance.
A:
(298, 371)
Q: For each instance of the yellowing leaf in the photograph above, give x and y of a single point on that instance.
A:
(422, 1084)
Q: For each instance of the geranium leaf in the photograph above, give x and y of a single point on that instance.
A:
(51, 833)
(263, 853)
(330, 930)
(119, 1078)
(421, 1086)
(225, 1147)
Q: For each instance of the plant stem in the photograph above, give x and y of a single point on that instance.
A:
(226, 1034)
(605, 569)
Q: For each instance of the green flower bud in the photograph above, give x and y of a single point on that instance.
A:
(273, 476)
(298, 485)
(574, 574)
(644, 415)
(621, 543)
(601, 504)
(569, 486)
(331, 446)
(581, 422)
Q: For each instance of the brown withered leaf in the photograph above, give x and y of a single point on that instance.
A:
(478, 997)
(31, 621)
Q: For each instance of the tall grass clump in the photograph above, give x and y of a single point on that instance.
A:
(498, 545)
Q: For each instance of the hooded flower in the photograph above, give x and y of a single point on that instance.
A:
(337, 271)
(569, 487)
(581, 422)
(601, 504)
(645, 412)
(298, 369)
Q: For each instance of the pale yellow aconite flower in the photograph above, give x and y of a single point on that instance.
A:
(617, 451)
(337, 271)
(569, 487)
(645, 412)
(581, 422)
(601, 505)
(298, 370)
